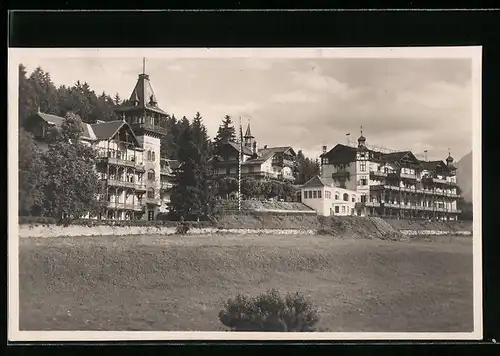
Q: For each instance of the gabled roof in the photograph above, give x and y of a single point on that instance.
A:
(318, 181)
(432, 165)
(395, 156)
(142, 97)
(173, 163)
(281, 149)
(341, 154)
(236, 146)
(107, 130)
(53, 120)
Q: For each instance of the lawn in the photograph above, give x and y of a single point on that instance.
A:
(178, 283)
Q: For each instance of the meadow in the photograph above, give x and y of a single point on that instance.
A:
(177, 283)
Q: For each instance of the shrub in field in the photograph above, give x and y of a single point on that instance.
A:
(269, 312)
(182, 228)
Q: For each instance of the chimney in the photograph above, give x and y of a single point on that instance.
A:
(324, 149)
(265, 146)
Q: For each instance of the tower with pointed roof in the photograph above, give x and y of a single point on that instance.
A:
(362, 166)
(146, 119)
(248, 138)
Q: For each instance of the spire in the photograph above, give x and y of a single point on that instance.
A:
(361, 139)
(248, 133)
(449, 159)
(143, 95)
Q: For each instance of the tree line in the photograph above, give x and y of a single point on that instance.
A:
(61, 181)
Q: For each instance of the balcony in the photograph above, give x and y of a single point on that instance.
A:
(340, 175)
(378, 174)
(140, 187)
(164, 171)
(408, 176)
(166, 185)
(121, 183)
(152, 201)
(148, 127)
(121, 162)
(125, 206)
(439, 181)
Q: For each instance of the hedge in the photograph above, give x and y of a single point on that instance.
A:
(42, 220)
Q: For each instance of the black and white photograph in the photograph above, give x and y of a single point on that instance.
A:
(245, 193)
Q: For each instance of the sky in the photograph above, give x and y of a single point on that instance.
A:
(401, 103)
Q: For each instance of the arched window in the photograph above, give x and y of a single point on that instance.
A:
(149, 155)
(336, 195)
(153, 155)
(151, 175)
(346, 197)
(151, 193)
(353, 198)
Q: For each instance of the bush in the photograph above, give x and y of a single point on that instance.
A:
(269, 312)
(183, 228)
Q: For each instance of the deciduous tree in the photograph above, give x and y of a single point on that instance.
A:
(72, 187)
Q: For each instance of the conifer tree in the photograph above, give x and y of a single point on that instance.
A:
(226, 131)
(32, 176)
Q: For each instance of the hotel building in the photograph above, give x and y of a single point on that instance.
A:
(266, 163)
(393, 184)
(136, 180)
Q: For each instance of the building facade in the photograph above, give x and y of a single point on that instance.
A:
(393, 184)
(266, 163)
(137, 181)
(327, 199)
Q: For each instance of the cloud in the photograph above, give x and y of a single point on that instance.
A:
(297, 96)
(401, 103)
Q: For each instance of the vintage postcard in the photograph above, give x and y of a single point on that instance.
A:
(245, 194)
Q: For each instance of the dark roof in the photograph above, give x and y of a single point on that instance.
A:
(394, 156)
(106, 130)
(58, 120)
(248, 133)
(318, 181)
(173, 163)
(142, 97)
(236, 146)
(431, 165)
(341, 154)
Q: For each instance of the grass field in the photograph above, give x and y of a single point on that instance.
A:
(178, 283)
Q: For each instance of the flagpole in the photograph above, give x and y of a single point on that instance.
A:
(239, 168)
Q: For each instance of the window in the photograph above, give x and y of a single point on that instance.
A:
(362, 166)
(151, 175)
(346, 197)
(228, 170)
(336, 195)
(149, 155)
(315, 194)
(343, 209)
(353, 198)
(363, 198)
(328, 195)
(325, 160)
(305, 194)
(336, 210)
(153, 155)
(363, 181)
(151, 193)
(352, 211)
(319, 194)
